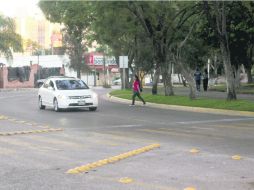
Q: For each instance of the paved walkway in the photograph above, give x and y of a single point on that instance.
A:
(184, 91)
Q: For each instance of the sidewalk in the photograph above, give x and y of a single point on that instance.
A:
(17, 89)
(184, 91)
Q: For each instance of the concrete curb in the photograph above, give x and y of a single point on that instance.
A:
(186, 108)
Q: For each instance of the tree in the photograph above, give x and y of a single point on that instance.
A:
(115, 27)
(76, 17)
(162, 21)
(9, 40)
(217, 15)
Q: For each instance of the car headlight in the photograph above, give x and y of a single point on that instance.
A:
(61, 97)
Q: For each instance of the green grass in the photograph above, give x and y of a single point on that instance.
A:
(239, 105)
(244, 88)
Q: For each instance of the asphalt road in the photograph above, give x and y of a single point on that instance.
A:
(42, 145)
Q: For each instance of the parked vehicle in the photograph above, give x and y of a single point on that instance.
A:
(117, 81)
(66, 92)
(40, 82)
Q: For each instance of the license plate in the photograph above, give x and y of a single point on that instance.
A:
(81, 103)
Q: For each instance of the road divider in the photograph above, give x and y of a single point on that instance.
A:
(110, 160)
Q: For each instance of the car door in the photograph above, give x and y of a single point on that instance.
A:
(51, 92)
(47, 93)
(44, 92)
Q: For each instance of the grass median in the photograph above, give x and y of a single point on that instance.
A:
(238, 105)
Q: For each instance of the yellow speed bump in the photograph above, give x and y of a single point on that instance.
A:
(28, 132)
(73, 171)
(126, 180)
(2, 117)
(190, 188)
(87, 167)
(194, 150)
(236, 157)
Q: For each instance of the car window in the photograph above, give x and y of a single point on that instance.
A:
(51, 84)
(71, 84)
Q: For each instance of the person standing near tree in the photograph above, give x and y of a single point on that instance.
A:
(205, 79)
(197, 76)
(136, 91)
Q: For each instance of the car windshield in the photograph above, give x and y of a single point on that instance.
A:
(70, 84)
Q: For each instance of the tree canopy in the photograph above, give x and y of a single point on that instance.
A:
(157, 34)
(9, 40)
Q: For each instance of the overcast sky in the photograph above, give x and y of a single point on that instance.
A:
(18, 8)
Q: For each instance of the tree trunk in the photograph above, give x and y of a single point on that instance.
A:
(187, 74)
(249, 76)
(183, 81)
(78, 73)
(155, 81)
(248, 72)
(230, 78)
(79, 57)
(224, 47)
(237, 78)
(167, 80)
(192, 86)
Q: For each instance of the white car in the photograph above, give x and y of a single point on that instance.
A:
(66, 92)
(116, 82)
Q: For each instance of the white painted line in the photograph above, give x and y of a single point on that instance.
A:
(123, 126)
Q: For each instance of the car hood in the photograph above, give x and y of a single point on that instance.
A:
(75, 92)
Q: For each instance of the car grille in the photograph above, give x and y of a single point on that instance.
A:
(76, 104)
(79, 97)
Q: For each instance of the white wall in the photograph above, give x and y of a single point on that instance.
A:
(47, 61)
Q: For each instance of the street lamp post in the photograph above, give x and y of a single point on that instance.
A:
(107, 67)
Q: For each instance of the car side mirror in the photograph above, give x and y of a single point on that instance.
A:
(51, 88)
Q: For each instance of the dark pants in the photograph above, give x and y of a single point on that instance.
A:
(198, 85)
(205, 84)
(138, 95)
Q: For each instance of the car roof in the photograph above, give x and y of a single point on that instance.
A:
(61, 78)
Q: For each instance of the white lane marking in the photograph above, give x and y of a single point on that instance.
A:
(214, 121)
(202, 128)
(122, 126)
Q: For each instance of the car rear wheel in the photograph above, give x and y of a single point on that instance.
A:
(41, 106)
(56, 108)
(92, 108)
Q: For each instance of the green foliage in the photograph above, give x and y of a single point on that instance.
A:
(240, 105)
(9, 40)
(76, 17)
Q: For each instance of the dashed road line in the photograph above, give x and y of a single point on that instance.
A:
(173, 132)
(90, 166)
(235, 126)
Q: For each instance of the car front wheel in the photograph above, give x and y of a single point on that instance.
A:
(56, 108)
(92, 108)
(41, 106)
